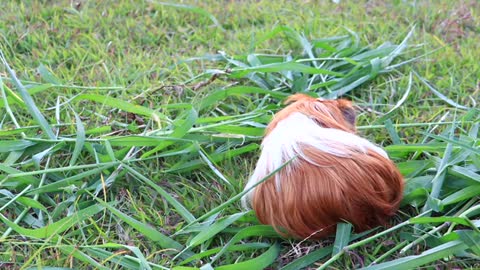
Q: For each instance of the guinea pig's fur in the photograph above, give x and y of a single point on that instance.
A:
(334, 175)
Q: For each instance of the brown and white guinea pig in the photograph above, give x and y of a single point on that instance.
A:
(334, 175)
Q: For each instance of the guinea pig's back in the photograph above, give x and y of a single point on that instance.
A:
(318, 190)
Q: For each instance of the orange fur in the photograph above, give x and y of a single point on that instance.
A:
(364, 189)
(327, 113)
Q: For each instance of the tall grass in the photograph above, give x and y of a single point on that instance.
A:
(68, 171)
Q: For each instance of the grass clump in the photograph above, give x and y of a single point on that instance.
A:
(126, 132)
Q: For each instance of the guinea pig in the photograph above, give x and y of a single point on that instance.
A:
(331, 174)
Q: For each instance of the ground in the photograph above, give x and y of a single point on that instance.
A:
(101, 72)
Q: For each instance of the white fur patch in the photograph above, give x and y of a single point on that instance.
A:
(282, 144)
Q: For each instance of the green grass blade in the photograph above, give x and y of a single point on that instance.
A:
(119, 258)
(241, 247)
(137, 140)
(412, 168)
(472, 240)
(381, 51)
(258, 230)
(430, 255)
(26, 180)
(214, 229)
(18, 145)
(440, 95)
(181, 210)
(240, 130)
(115, 259)
(12, 97)
(260, 262)
(60, 185)
(140, 258)
(62, 169)
(399, 49)
(439, 179)
(474, 149)
(286, 66)
(273, 33)
(399, 103)
(148, 231)
(393, 133)
(217, 96)
(181, 127)
(80, 140)
(55, 228)
(29, 202)
(122, 105)
(6, 104)
(31, 107)
(47, 75)
(39, 157)
(463, 173)
(462, 195)
(13, 157)
(216, 157)
(193, 9)
(213, 167)
(409, 148)
(12, 198)
(308, 259)
(344, 90)
(429, 220)
(342, 237)
(13, 131)
(81, 256)
(39, 88)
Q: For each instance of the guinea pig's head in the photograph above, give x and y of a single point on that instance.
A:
(338, 114)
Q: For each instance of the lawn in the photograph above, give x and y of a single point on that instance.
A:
(129, 128)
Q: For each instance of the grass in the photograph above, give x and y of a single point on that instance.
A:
(127, 130)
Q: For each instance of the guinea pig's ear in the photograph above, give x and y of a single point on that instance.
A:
(347, 110)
